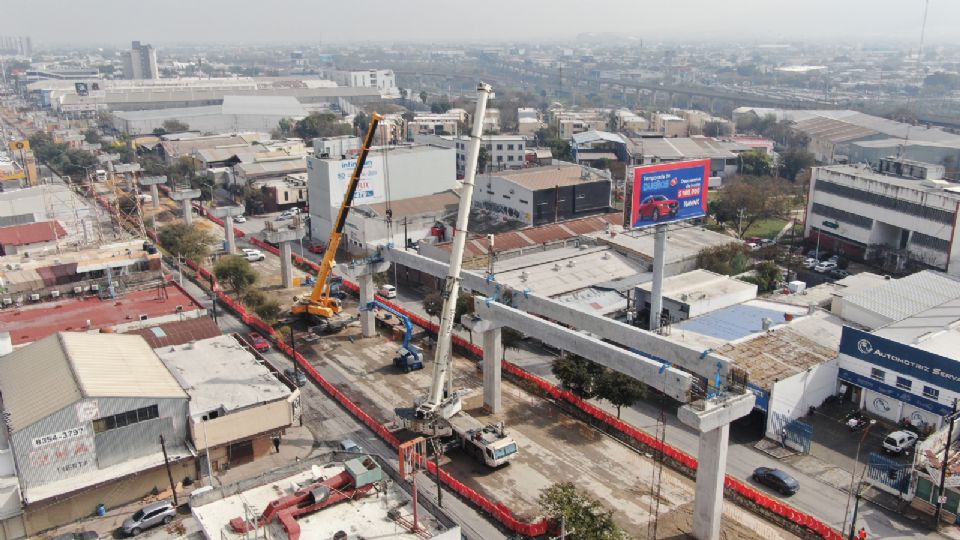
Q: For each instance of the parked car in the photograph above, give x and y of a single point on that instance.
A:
(656, 207)
(239, 219)
(898, 441)
(811, 262)
(318, 248)
(286, 216)
(387, 291)
(766, 242)
(347, 445)
(825, 266)
(296, 375)
(753, 246)
(838, 273)
(149, 516)
(85, 535)
(776, 479)
(258, 342)
(253, 255)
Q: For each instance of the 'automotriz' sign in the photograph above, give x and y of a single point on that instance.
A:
(669, 192)
(903, 359)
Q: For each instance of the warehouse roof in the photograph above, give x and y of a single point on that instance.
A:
(550, 176)
(263, 105)
(219, 374)
(446, 201)
(282, 167)
(178, 332)
(683, 148)
(564, 270)
(683, 240)
(700, 286)
(901, 298)
(57, 371)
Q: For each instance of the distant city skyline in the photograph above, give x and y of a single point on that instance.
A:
(109, 22)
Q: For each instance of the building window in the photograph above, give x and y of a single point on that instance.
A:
(489, 192)
(125, 418)
(499, 147)
(904, 383)
(499, 158)
(878, 374)
(286, 195)
(520, 147)
(509, 147)
(506, 196)
(930, 392)
(509, 158)
(524, 202)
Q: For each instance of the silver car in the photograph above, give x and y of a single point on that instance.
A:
(149, 516)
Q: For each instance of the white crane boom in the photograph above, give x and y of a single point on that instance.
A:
(438, 402)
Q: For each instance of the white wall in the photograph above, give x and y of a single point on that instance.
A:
(794, 395)
(865, 318)
(496, 192)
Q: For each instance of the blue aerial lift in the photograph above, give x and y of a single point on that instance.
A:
(409, 357)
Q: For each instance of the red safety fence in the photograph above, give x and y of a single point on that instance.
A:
(498, 510)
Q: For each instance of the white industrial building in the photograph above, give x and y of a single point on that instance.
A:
(503, 151)
(390, 173)
(383, 80)
(890, 300)
(84, 414)
(401, 222)
(891, 220)
(344, 145)
(236, 113)
(695, 293)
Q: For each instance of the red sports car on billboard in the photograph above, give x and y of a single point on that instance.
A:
(656, 207)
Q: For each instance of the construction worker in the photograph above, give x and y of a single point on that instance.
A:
(862, 534)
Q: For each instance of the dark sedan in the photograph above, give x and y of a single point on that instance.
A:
(776, 479)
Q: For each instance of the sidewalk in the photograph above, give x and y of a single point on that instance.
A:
(297, 444)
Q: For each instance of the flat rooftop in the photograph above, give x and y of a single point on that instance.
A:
(898, 299)
(823, 295)
(364, 517)
(550, 176)
(683, 242)
(565, 270)
(31, 322)
(219, 374)
(445, 201)
(700, 285)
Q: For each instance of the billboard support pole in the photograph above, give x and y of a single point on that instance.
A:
(656, 289)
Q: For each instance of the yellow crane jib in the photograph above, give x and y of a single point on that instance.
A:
(320, 303)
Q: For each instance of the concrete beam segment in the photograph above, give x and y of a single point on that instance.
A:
(184, 196)
(658, 347)
(367, 317)
(670, 381)
(356, 271)
(492, 361)
(656, 289)
(227, 213)
(279, 236)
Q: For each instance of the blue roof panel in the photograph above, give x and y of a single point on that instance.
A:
(732, 323)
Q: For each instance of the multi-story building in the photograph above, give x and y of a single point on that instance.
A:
(670, 125)
(503, 151)
(140, 62)
(888, 219)
(528, 121)
(447, 123)
(491, 121)
(390, 173)
(628, 120)
(383, 80)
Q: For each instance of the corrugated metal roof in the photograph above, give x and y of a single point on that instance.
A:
(898, 299)
(36, 381)
(178, 332)
(117, 365)
(31, 233)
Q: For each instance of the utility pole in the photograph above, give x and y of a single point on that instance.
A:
(436, 464)
(166, 461)
(943, 469)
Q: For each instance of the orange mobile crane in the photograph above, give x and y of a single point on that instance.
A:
(320, 304)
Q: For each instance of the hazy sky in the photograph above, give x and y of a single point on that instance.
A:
(749, 21)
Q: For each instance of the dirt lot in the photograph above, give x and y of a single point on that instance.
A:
(553, 446)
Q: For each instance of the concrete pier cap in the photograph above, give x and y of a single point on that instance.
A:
(283, 235)
(153, 182)
(716, 412)
(227, 213)
(184, 196)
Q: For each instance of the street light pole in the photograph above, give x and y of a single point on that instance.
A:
(853, 476)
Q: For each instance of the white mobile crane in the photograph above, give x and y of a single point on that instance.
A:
(438, 414)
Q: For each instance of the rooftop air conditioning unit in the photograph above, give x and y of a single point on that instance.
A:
(34, 297)
(95, 287)
(77, 290)
(571, 263)
(54, 294)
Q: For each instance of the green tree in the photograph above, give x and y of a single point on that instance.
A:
(756, 163)
(620, 390)
(577, 374)
(235, 271)
(173, 125)
(510, 339)
(440, 107)
(464, 306)
(579, 512)
(321, 125)
(432, 304)
(423, 96)
(253, 298)
(795, 160)
(190, 241)
(767, 275)
(91, 136)
(403, 93)
(747, 199)
(483, 157)
(716, 129)
(268, 310)
(729, 259)
(284, 128)
(361, 122)
(253, 200)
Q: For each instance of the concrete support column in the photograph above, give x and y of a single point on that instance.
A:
(286, 265)
(231, 241)
(708, 506)
(368, 321)
(492, 361)
(187, 208)
(155, 196)
(153, 182)
(185, 196)
(656, 287)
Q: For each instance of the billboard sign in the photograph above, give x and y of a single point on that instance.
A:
(669, 192)
(370, 189)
